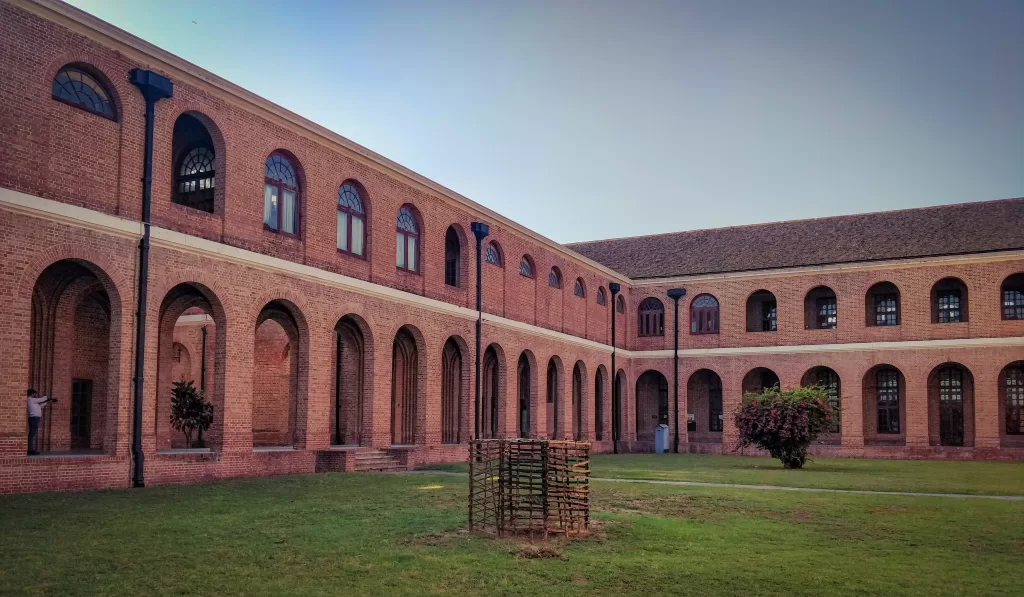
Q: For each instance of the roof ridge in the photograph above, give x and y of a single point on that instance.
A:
(798, 221)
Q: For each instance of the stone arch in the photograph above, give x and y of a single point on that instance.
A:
(190, 313)
(74, 354)
(760, 379)
(651, 406)
(407, 386)
(884, 404)
(553, 397)
(579, 401)
(951, 405)
(280, 375)
(705, 417)
(526, 395)
(454, 390)
(828, 378)
(492, 392)
(352, 381)
(601, 402)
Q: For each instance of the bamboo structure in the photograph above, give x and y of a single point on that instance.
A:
(529, 487)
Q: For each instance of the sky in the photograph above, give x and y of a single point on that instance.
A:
(590, 119)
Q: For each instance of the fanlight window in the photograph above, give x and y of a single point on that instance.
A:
(620, 305)
(651, 318)
(555, 278)
(280, 195)
(525, 267)
(76, 87)
(601, 299)
(195, 179)
(578, 289)
(492, 255)
(407, 240)
(351, 220)
(704, 315)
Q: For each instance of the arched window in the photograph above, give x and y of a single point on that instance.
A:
(704, 315)
(555, 278)
(452, 256)
(762, 312)
(820, 312)
(578, 289)
(1013, 297)
(193, 155)
(883, 305)
(526, 266)
(280, 195)
(651, 318)
(492, 254)
(407, 240)
(620, 305)
(351, 219)
(73, 85)
(601, 298)
(949, 301)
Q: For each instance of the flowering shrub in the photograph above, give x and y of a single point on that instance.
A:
(784, 423)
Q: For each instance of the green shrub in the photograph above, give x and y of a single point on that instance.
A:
(190, 412)
(784, 423)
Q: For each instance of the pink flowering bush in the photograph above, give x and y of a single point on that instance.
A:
(784, 423)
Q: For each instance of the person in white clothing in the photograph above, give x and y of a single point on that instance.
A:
(35, 413)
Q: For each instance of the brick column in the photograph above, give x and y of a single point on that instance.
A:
(378, 409)
(236, 418)
(313, 424)
(732, 396)
(916, 409)
(987, 424)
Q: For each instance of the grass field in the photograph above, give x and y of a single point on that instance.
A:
(924, 476)
(351, 534)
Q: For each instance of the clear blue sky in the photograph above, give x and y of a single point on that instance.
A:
(589, 119)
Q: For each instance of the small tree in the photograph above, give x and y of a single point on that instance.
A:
(784, 423)
(189, 410)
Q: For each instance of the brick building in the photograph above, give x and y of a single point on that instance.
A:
(330, 317)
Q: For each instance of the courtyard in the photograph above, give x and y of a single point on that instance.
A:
(355, 534)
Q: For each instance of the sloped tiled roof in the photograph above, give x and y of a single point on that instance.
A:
(930, 231)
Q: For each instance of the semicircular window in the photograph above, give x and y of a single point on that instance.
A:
(195, 179)
(525, 267)
(74, 86)
(491, 255)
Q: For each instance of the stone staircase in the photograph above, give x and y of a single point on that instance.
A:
(376, 461)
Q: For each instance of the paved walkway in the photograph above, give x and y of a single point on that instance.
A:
(1006, 498)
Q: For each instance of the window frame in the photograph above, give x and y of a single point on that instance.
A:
(827, 318)
(452, 265)
(101, 82)
(602, 297)
(416, 236)
(944, 312)
(350, 214)
(499, 260)
(1013, 400)
(887, 401)
(884, 316)
(650, 318)
(180, 179)
(281, 187)
(1012, 304)
(579, 289)
(532, 274)
(555, 278)
(704, 320)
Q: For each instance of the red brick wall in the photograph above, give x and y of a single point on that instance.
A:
(256, 390)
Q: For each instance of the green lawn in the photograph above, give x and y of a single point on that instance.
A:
(351, 534)
(926, 476)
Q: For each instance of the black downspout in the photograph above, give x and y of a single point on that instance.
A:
(154, 88)
(480, 230)
(675, 294)
(616, 406)
(202, 377)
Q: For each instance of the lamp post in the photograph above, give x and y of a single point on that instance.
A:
(675, 294)
(614, 288)
(480, 230)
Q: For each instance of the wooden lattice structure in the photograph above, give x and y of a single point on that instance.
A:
(529, 487)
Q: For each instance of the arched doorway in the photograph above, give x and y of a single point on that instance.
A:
(1011, 404)
(525, 377)
(599, 403)
(704, 416)
(828, 379)
(349, 382)
(651, 406)
(491, 394)
(451, 393)
(884, 406)
(951, 406)
(279, 344)
(73, 356)
(553, 396)
(404, 388)
(578, 424)
(759, 379)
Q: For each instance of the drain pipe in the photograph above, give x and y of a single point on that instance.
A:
(616, 407)
(154, 88)
(480, 230)
(675, 294)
